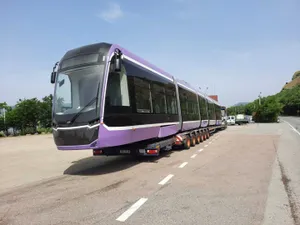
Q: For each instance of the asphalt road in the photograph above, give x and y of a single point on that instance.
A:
(243, 175)
(293, 121)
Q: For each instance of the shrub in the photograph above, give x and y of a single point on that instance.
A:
(268, 111)
(2, 134)
(44, 130)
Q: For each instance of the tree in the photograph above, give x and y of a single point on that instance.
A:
(45, 111)
(3, 109)
(269, 110)
(250, 107)
(27, 113)
(238, 109)
(13, 120)
(290, 98)
(2, 126)
(3, 105)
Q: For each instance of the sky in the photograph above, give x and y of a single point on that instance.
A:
(235, 48)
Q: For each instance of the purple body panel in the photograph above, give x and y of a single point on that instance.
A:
(190, 126)
(204, 123)
(114, 138)
(168, 130)
(110, 138)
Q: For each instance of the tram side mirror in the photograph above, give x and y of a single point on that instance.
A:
(118, 64)
(118, 60)
(53, 77)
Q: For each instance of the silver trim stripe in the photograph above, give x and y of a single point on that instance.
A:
(126, 127)
(194, 121)
(195, 92)
(77, 127)
(146, 67)
(140, 126)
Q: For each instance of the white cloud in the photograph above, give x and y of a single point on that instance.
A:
(112, 13)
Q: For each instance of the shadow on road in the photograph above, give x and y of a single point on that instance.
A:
(97, 165)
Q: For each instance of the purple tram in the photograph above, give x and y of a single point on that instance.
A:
(109, 100)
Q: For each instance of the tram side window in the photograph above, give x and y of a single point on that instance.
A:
(213, 110)
(189, 105)
(171, 100)
(149, 92)
(203, 109)
(195, 107)
(193, 113)
(216, 111)
(183, 104)
(117, 93)
(210, 116)
(158, 99)
(142, 96)
(191, 109)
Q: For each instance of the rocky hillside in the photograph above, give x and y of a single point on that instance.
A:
(294, 82)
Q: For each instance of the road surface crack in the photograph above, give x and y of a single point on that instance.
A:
(290, 194)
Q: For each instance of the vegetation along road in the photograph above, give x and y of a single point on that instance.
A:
(243, 175)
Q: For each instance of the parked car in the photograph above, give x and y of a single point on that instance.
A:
(241, 119)
(231, 120)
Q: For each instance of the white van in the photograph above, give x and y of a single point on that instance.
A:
(231, 120)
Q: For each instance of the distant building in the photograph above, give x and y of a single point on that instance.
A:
(214, 97)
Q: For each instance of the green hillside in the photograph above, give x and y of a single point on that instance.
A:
(286, 102)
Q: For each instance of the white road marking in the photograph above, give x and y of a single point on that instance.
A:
(193, 156)
(166, 179)
(183, 165)
(293, 128)
(132, 209)
(200, 150)
(210, 142)
(205, 146)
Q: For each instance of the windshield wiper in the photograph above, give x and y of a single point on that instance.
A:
(78, 113)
